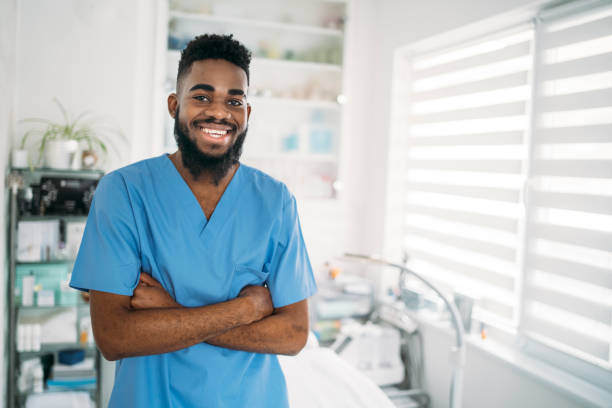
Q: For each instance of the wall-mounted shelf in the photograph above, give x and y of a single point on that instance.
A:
(173, 57)
(51, 262)
(53, 217)
(292, 157)
(297, 103)
(271, 25)
(294, 64)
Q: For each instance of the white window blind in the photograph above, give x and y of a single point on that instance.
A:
(465, 159)
(503, 147)
(568, 277)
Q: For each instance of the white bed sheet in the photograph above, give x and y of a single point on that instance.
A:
(319, 378)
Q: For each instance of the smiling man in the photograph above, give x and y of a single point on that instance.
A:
(196, 264)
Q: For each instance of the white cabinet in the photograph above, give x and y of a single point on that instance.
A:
(296, 88)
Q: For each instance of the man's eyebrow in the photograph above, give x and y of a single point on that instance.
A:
(235, 92)
(210, 88)
(204, 87)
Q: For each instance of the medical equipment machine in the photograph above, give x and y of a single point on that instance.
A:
(373, 349)
(458, 350)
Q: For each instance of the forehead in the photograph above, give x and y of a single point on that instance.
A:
(219, 73)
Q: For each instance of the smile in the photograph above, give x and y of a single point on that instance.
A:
(214, 133)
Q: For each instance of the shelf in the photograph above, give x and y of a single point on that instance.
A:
(51, 308)
(298, 103)
(55, 347)
(54, 262)
(173, 57)
(46, 170)
(295, 64)
(242, 22)
(91, 391)
(52, 217)
(318, 157)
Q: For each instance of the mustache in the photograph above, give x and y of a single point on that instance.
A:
(222, 122)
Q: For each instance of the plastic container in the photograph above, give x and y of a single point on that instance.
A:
(71, 356)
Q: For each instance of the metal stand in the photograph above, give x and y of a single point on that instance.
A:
(456, 388)
(14, 181)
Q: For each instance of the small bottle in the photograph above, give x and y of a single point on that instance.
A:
(27, 290)
(20, 337)
(27, 336)
(38, 383)
(36, 337)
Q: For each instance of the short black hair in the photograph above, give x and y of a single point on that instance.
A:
(213, 46)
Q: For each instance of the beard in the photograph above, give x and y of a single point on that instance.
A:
(198, 162)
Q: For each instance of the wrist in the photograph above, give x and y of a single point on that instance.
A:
(247, 310)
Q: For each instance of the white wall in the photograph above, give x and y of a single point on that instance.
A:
(8, 20)
(91, 55)
(489, 382)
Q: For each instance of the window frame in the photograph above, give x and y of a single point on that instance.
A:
(597, 374)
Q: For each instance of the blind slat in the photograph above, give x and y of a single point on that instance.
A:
(577, 202)
(496, 194)
(583, 100)
(571, 269)
(485, 220)
(509, 52)
(502, 138)
(585, 66)
(471, 271)
(579, 134)
(579, 33)
(576, 341)
(491, 166)
(483, 85)
(592, 311)
(497, 251)
(501, 110)
(574, 168)
(478, 259)
(575, 236)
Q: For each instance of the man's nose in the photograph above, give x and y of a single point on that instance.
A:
(217, 111)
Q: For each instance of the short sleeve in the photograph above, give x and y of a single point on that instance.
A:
(291, 279)
(109, 255)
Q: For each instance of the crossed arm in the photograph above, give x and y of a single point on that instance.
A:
(151, 322)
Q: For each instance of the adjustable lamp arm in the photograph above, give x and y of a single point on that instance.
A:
(459, 350)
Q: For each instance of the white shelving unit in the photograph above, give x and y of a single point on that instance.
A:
(296, 88)
(220, 20)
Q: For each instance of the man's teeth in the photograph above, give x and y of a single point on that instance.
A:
(216, 133)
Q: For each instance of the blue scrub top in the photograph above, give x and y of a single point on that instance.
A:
(144, 217)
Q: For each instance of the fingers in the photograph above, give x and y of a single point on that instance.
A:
(148, 280)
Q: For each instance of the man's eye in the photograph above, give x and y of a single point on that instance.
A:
(201, 98)
(235, 102)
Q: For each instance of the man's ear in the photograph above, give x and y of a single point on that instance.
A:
(172, 104)
(248, 111)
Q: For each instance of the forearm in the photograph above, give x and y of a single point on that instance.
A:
(154, 331)
(275, 334)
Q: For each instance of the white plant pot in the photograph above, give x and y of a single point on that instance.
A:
(19, 159)
(60, 154)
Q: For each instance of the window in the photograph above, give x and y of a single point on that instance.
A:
(502, 147)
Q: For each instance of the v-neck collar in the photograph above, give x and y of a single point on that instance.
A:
(207, 228)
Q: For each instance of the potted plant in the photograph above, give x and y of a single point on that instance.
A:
(61, 143)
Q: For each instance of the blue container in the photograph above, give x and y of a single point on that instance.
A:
(71, 356)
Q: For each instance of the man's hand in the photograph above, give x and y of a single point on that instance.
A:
(260, 297)
(150, 294)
